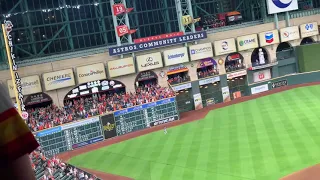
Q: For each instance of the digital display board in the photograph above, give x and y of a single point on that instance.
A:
(70, 136)
(146, 115)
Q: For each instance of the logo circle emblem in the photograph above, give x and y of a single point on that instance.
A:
(261, 76)
(241, 43)
(224, 45)
(281, 4)
(286, 34)
(149, 59)
(24, 115)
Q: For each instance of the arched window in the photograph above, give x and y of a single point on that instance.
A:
(307, 40)
(284, 51)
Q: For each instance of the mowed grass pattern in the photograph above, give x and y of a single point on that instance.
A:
(261, 139)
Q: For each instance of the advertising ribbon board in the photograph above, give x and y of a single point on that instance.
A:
(91, 73)
(149, 61)
(29, 85)
(58, 79)
(121, 67)
(225, 46)
(200, 51)
(109, 126)
(131, 48)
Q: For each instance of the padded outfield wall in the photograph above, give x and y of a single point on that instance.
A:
(308, 57)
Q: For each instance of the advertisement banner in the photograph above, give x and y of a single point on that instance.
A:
(109, 126)
(247, 42)
(130, 48)
(226, 94)
(121, 67)
(146, 75)
(310, 29)
(262, 75)
(29, 85)
(279, 6)
(289, 34)
(269, 38)
(237, 94)
(164, 121)
(88, 142)
(209, 80)
(226, 46)
(58, 79)
(149, 61)
(259, 89)
(206, 62)
(176, 56)
(37, 99)
(210, 101)
(91, 73)
(200, 51)
(237, 74)
(197, 101)
(181, 87)
(158, 37)
(279, 84)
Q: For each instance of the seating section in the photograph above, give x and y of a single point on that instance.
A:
(93, 105)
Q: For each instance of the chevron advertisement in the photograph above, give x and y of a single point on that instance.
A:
(176, 56)
(309, 29)
(58, 79)
(269, 37)
(279, 6)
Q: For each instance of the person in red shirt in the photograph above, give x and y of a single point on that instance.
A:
(16, 142)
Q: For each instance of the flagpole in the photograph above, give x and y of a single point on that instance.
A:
(13, 77)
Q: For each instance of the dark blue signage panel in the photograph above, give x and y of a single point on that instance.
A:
(131, 48)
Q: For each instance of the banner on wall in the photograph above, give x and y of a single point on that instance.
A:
(149, 61)
(197, 101)
(226, 94)
(91, 72)
(289, 34)
(262, 75)
(200, 51)
(237, 74)
(121, 67)
(209, 80)
(237, 94)
(37, 98)
(182, 87)
(29, 84)
(58, 79)
(206, 62)
(309, 29)
(210, 101)
(146, 75)
(177, 69)
(176, 56)
(259, 89)
(224, 47)
(269, 38)
(278, 6)
(247, 42)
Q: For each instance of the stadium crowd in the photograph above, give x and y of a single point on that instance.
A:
(85, 107)
(53, 169)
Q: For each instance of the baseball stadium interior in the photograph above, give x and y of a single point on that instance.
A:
(97, 72)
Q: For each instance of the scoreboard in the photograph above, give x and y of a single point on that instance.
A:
(146, 115)
(70, 136)
(81, 133)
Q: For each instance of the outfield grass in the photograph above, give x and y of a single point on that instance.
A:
(262, 139)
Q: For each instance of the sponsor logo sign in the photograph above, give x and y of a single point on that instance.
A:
(91, 73)
(109, 126)
(176, 56)
(226, 94)
(200, 51)
(58, 79)
(29, 85)
(269, 38)
(262, 75)
(259, 89)
(197, 101)
(289, 33)
(164, 121)
(224, 46)
(121, 67)
(247, 42)
(278, 6)
(181, 87)
(237, 74)
(209, 80)
(113, 51)
(310, 29)
(149, 61)
(88, 142)
(279, 84)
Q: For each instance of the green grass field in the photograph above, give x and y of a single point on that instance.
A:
(262, 139)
